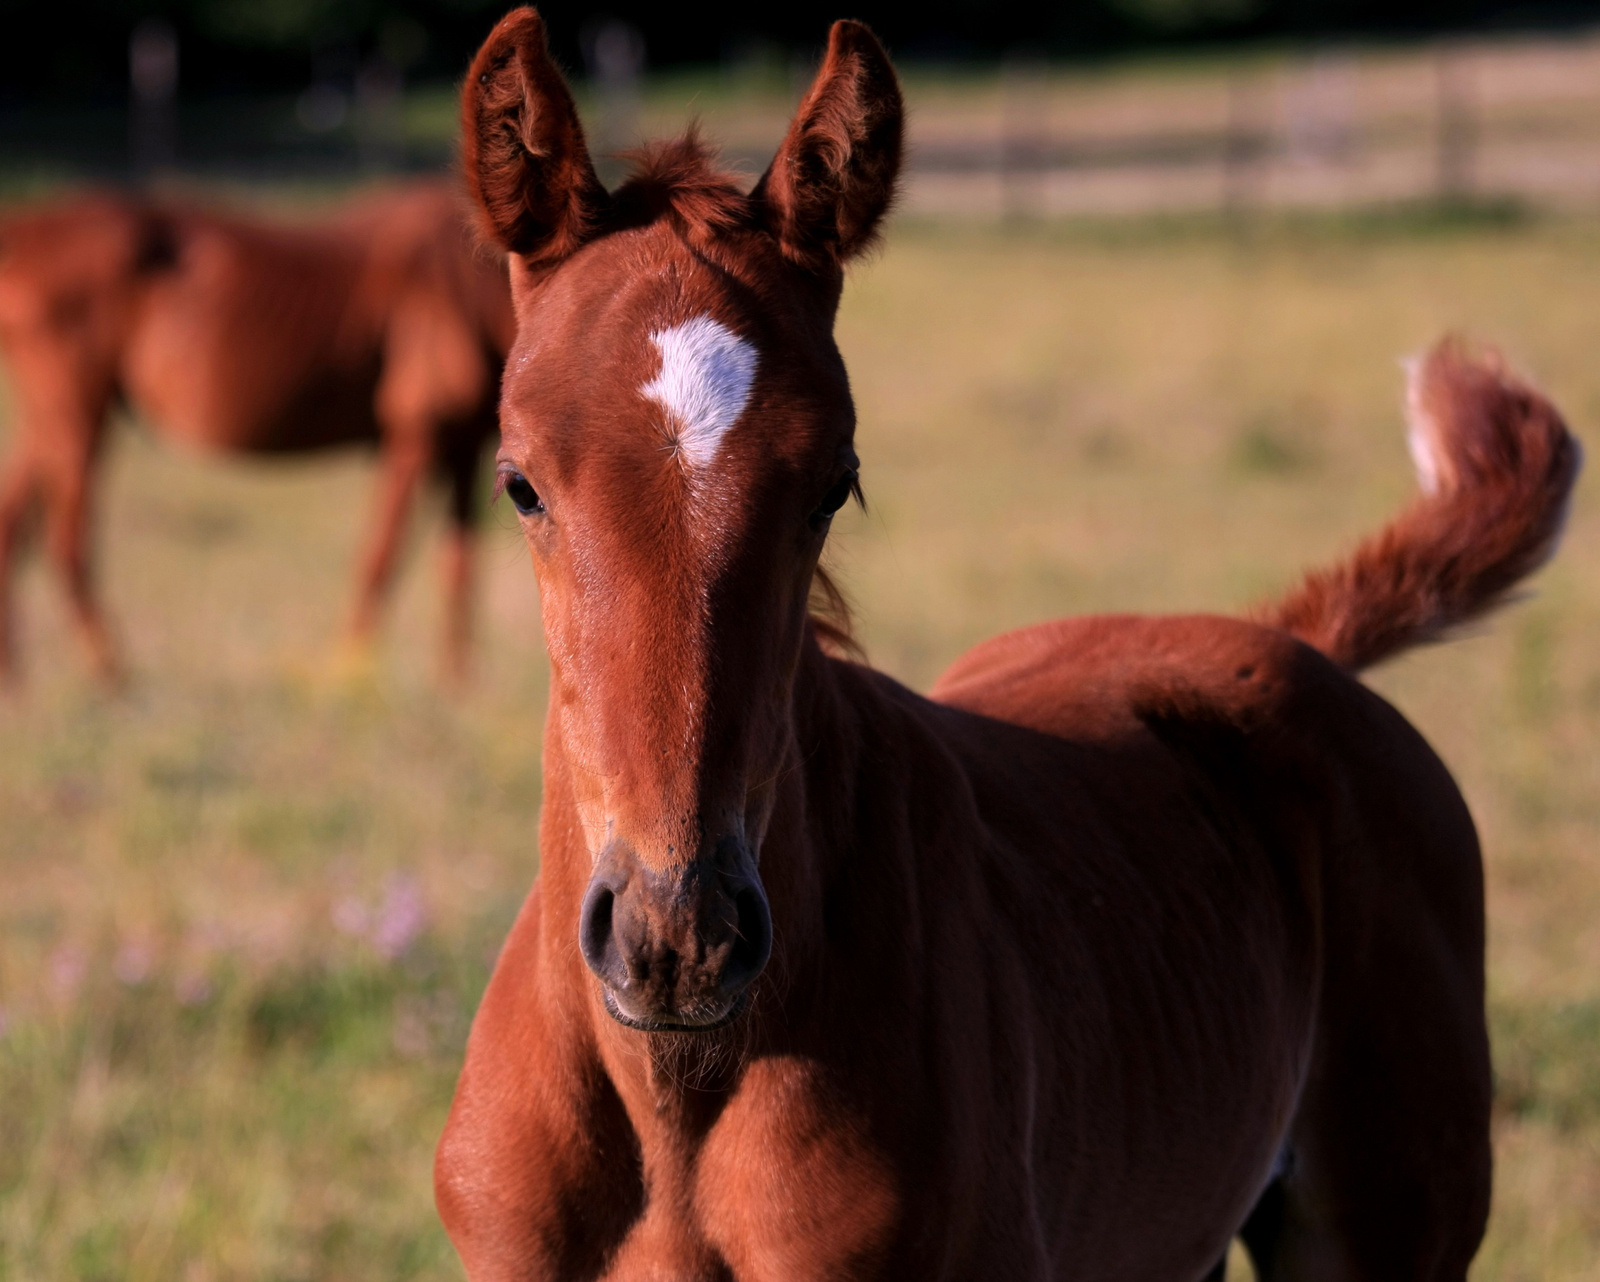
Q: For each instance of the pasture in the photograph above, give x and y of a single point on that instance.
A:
(249, 904)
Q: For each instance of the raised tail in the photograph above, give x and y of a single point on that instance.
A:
(1496, 465)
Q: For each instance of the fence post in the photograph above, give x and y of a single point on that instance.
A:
(153, 80)
(1244, 145)
(1457, 126)
(615, 53)
(1024, 103)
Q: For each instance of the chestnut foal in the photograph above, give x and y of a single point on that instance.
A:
(385, 324)
(1139, 934)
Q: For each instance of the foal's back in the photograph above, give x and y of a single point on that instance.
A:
(1216, 798)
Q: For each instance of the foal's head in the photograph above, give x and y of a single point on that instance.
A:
(676, 428)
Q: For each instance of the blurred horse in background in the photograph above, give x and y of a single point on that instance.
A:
(384, 323)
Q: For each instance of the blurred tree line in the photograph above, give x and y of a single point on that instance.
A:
(81, 51)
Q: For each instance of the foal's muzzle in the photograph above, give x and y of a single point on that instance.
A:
(676, 951)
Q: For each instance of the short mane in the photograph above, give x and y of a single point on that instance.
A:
(831, 622)
(678, 179)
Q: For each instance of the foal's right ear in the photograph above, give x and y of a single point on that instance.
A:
(522, 147)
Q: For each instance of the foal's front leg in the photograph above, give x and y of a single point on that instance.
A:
(537, 1174)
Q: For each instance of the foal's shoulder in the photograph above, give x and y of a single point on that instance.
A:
(1104, 674)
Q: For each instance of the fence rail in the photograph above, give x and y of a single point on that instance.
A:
(1334, 128)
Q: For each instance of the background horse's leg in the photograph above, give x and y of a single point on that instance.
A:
(437, 402)
(459, 470)
(406, 456)
(19, 487)
(69, 472)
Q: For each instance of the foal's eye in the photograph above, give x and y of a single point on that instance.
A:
(523, 496)
(835, 498)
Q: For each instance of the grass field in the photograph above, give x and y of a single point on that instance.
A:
(249, 905)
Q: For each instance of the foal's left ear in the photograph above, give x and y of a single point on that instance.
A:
(833, 178)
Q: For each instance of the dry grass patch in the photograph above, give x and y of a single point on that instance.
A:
(250, 905)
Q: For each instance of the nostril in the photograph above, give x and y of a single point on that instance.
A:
(753, 945)
(594, 930)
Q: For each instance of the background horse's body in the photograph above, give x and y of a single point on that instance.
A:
(382, 324)
(1139, 934)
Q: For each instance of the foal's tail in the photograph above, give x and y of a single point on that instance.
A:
(1496, 465)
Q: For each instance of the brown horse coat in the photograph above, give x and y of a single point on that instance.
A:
(1137, 934)
(384, 324)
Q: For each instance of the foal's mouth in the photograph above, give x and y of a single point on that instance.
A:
(674, 1024)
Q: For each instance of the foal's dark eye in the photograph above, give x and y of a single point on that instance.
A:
(523, 496)
(835, 498)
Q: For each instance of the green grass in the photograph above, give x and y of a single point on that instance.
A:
(249, 905)
(266, 1127)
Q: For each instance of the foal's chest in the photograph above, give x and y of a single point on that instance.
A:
(786, 1184)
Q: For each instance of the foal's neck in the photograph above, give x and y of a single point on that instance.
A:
(814, 823)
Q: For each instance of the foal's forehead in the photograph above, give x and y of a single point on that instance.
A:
(639, 337)
(608, 312)
(627, 282)
(703, 385)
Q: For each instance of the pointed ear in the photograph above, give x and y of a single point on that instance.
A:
(833, 178)
(522, 149)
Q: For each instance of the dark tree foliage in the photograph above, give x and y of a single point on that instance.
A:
(79, 50)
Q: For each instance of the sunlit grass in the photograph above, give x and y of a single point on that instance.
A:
(249, 904)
